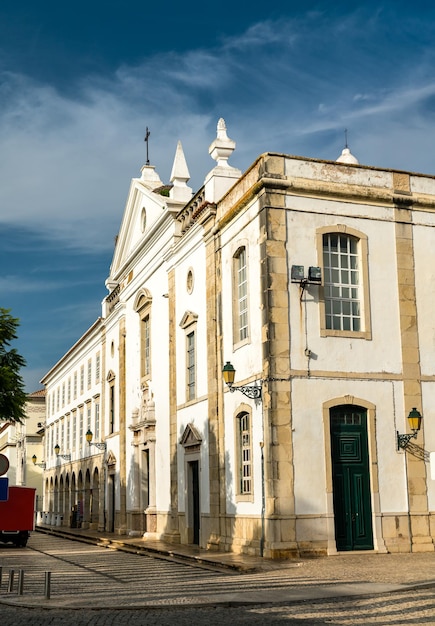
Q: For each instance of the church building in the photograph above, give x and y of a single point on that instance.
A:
(261, 379)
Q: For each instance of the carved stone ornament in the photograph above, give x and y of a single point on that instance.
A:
(111, 459)
(144, 418)
(191, 439)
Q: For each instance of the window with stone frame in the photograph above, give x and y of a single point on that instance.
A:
(74, 428)
(341, 282)
(142, 306)
(191, 365)
(97, 367)
(97, 419)
(244, 454)
(189, 325)
(345, 308)
(240, 296)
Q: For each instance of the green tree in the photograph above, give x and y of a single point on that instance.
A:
(12, 394)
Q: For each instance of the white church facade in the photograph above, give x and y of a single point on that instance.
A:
(312, 283)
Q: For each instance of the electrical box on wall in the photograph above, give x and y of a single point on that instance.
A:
(314, 275)
(297, 273)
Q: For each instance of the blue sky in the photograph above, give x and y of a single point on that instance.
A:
(80, 82)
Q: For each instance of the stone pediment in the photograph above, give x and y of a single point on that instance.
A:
(191, 437)
(143, 209)
(143, 298)
(111, 459)
(188, 319)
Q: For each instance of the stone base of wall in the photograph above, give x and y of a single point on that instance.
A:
(135, 523)
(397, 528)
(286, 538)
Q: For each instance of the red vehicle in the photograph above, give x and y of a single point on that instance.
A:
(17, 515)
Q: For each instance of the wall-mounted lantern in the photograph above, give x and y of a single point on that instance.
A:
(101, 445)
(414, 420)
(250, 391)
(34, 459)
(67, 457)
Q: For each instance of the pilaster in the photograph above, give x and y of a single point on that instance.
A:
(122, 528)
(280, 530)
(217, 485)
(172, 527)
(415, 466)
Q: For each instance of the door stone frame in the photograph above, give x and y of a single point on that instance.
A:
(191, 441)
(378, 541)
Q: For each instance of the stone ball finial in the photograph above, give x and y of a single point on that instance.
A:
(347, 157)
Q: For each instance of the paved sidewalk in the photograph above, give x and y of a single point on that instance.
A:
(236, 580)
(161, 549)
(407, 569)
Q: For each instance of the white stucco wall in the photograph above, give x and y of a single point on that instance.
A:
(309, 435)
(383, 352)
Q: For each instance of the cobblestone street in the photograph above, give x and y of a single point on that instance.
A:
(395, 609)
(95, 585)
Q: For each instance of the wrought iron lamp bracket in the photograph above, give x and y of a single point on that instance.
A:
(250, 391)
(99, 445)
(404, 439)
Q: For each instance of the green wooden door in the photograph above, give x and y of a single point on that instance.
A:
(351, 479)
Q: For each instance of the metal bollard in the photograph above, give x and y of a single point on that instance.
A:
(20, 581)
(11, 581)
(47, 589)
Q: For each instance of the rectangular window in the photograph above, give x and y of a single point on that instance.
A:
(245, 454)
(74, 429)
(63, 395)
(341, 282)
(97, 421)
(75, 385)
(68, 433)
(82, 379)
(97, 367)
(146, 345)
(88, 417)
(242, 294)
(69, 390)
(81, 442)
(191, 372)
(89, 373)
(112, 409)
(57, 398)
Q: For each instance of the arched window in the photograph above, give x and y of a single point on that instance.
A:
(341, 272)
(244, 485)
(240, 295)
(345, 309)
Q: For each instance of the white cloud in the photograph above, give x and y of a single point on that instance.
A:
(16, 284)
(281, 86)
